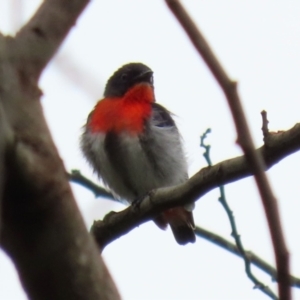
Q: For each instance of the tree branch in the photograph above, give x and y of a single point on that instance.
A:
(42, 229)
(253, 258)
(44, 234)
(41, 37)
(245, 140)
(114, 225)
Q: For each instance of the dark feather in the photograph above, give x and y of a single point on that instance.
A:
(161, 116)
(115, 153)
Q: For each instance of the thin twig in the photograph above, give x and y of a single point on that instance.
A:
(238, 241)
(77, 177)
(265, 122)
(245, 140)
(206, 153)
(257, 284)
(254, 259)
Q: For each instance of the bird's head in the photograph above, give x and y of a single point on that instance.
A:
(126, 77)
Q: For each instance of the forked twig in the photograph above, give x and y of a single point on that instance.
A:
(234, 232)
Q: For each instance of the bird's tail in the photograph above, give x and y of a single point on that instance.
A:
(181, 222)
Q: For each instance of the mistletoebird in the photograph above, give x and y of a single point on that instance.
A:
(133, 144)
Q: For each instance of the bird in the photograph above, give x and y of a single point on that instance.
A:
(133, 144)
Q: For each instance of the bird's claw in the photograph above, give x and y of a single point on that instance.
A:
(136, 202)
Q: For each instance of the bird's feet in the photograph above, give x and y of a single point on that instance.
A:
(137, 202)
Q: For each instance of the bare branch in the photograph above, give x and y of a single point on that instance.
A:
(115, 225)
(245, 140)
(258, 284)
(238, 241)
(41, 37)
(254, 259)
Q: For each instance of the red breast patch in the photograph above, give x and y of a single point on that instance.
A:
(125, 113)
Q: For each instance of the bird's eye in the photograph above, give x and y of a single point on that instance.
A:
(124, 77)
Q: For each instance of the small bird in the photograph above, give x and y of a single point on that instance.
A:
(133, 144)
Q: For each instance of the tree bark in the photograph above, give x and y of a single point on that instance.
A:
(42, 229)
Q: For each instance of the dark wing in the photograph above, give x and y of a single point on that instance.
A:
(117, 154)
(161, 116)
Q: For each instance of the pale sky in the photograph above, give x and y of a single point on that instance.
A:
(258, 43)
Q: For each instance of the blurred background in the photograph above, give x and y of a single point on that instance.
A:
(258, 45)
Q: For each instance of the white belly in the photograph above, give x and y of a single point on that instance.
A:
(141, 174)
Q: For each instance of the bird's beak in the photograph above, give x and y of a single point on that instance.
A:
(146, 77)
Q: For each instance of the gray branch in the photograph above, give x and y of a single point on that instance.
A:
(277, 146)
